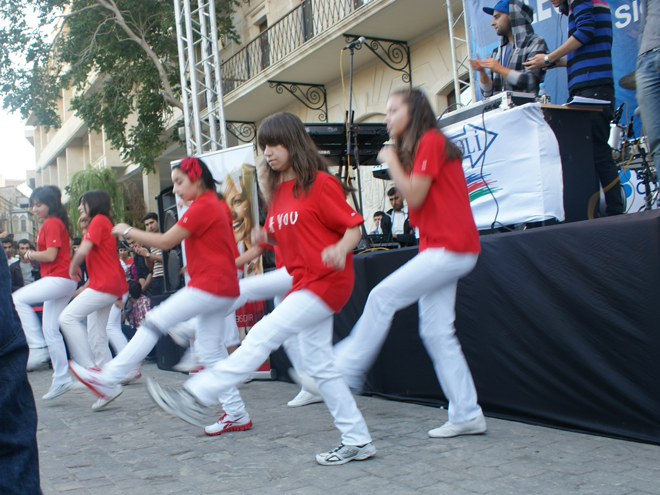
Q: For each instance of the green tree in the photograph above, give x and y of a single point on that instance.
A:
(127, 203)
(119, 55)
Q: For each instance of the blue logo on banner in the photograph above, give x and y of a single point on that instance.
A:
(474, 141)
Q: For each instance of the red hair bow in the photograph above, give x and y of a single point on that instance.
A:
(191, 167)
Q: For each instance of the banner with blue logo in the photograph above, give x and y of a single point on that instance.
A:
(508, 183)
(554, 28)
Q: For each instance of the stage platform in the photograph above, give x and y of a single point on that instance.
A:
(560, 326)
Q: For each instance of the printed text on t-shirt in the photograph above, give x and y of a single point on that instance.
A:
(283, 219)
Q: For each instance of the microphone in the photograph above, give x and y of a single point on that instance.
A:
(357, 42)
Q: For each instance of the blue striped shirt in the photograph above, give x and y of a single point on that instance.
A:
(590, 22)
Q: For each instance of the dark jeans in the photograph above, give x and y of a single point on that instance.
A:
(600, 133)
(19, 456)
(157, 286)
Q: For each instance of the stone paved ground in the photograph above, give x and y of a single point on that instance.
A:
(134, 448)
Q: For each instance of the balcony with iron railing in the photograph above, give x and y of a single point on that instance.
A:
(309, 19)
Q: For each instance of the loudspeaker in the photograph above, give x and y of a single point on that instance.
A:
(172, 259)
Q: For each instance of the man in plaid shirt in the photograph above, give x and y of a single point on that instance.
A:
(139, 303)
(512, 20)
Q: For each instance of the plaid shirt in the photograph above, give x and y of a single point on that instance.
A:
(526, 44)
(140, 308)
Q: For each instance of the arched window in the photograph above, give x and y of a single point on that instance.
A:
(23, 225)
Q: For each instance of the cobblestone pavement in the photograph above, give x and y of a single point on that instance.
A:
(135, 448)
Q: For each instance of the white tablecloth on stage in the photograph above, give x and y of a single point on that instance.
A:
(511, 156)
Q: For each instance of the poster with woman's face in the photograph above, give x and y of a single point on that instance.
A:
(234, 169)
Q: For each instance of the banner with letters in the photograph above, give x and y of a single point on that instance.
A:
(512, 166)
(554, 28)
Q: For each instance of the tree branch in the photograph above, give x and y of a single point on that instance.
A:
(168, 94)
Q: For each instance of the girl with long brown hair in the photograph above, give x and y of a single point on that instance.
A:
(316, 231)
(426, 169)
(54, 289)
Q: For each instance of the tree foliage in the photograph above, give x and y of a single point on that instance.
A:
(127, 203)
(119, 56)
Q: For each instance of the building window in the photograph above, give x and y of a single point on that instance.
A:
(23, 225)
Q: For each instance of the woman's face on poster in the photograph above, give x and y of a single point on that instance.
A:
(240, 211)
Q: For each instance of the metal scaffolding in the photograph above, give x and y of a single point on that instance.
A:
(460, 64)
(201, 83)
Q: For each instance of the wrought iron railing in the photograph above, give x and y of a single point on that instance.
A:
(309, 19)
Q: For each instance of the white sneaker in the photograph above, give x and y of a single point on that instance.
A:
(188, 362)
(38, 357)
(92, 379)
(475, 426)
(101, 403)
(304, 398)
(57, 390)
(305, 381)
(224, 425)
(181, 334)
(133, 375)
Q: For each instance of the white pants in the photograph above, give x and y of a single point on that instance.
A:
(182, 306)
(115, 337)
(82, 338)
(301, 313)
(274, 284)
(431, 278)
(55, 293)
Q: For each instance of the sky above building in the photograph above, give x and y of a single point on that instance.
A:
(16, 152)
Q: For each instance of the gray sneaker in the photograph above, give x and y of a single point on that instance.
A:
(180, 403)
(346, 453)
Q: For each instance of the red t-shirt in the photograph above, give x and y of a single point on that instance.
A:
(104, 269)
(305, 226)
(53, 233)
(445, 218)
(210, 249)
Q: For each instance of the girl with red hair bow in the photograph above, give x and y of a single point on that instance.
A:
(205, 229)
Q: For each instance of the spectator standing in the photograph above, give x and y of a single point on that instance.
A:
(155, 257)
(25, 271)
(647, 75)
(402, 232)
(588, 63)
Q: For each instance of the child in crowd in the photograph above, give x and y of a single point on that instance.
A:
(107, 283)
(212, 290)
(139, 304)
(426, 169)
(54, 288)
(316, 231)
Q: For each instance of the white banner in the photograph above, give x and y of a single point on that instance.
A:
(512, 166)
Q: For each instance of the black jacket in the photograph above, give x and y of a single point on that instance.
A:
(408, 237)
(17, 275)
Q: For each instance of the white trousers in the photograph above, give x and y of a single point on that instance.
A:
(431, 278)
(274, 284)
(55, 293)
(115, 337)
(82, 338)
(302, 313)
(182, 306)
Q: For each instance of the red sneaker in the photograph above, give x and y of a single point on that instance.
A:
(225, 425)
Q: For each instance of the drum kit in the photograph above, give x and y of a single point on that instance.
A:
(632, 153)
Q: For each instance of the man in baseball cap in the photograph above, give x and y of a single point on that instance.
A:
(512, 20)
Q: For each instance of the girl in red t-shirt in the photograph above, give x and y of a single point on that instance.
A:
(316, 231)
(54, 288)
(206, 231)
(427, 170)
(106, 283)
